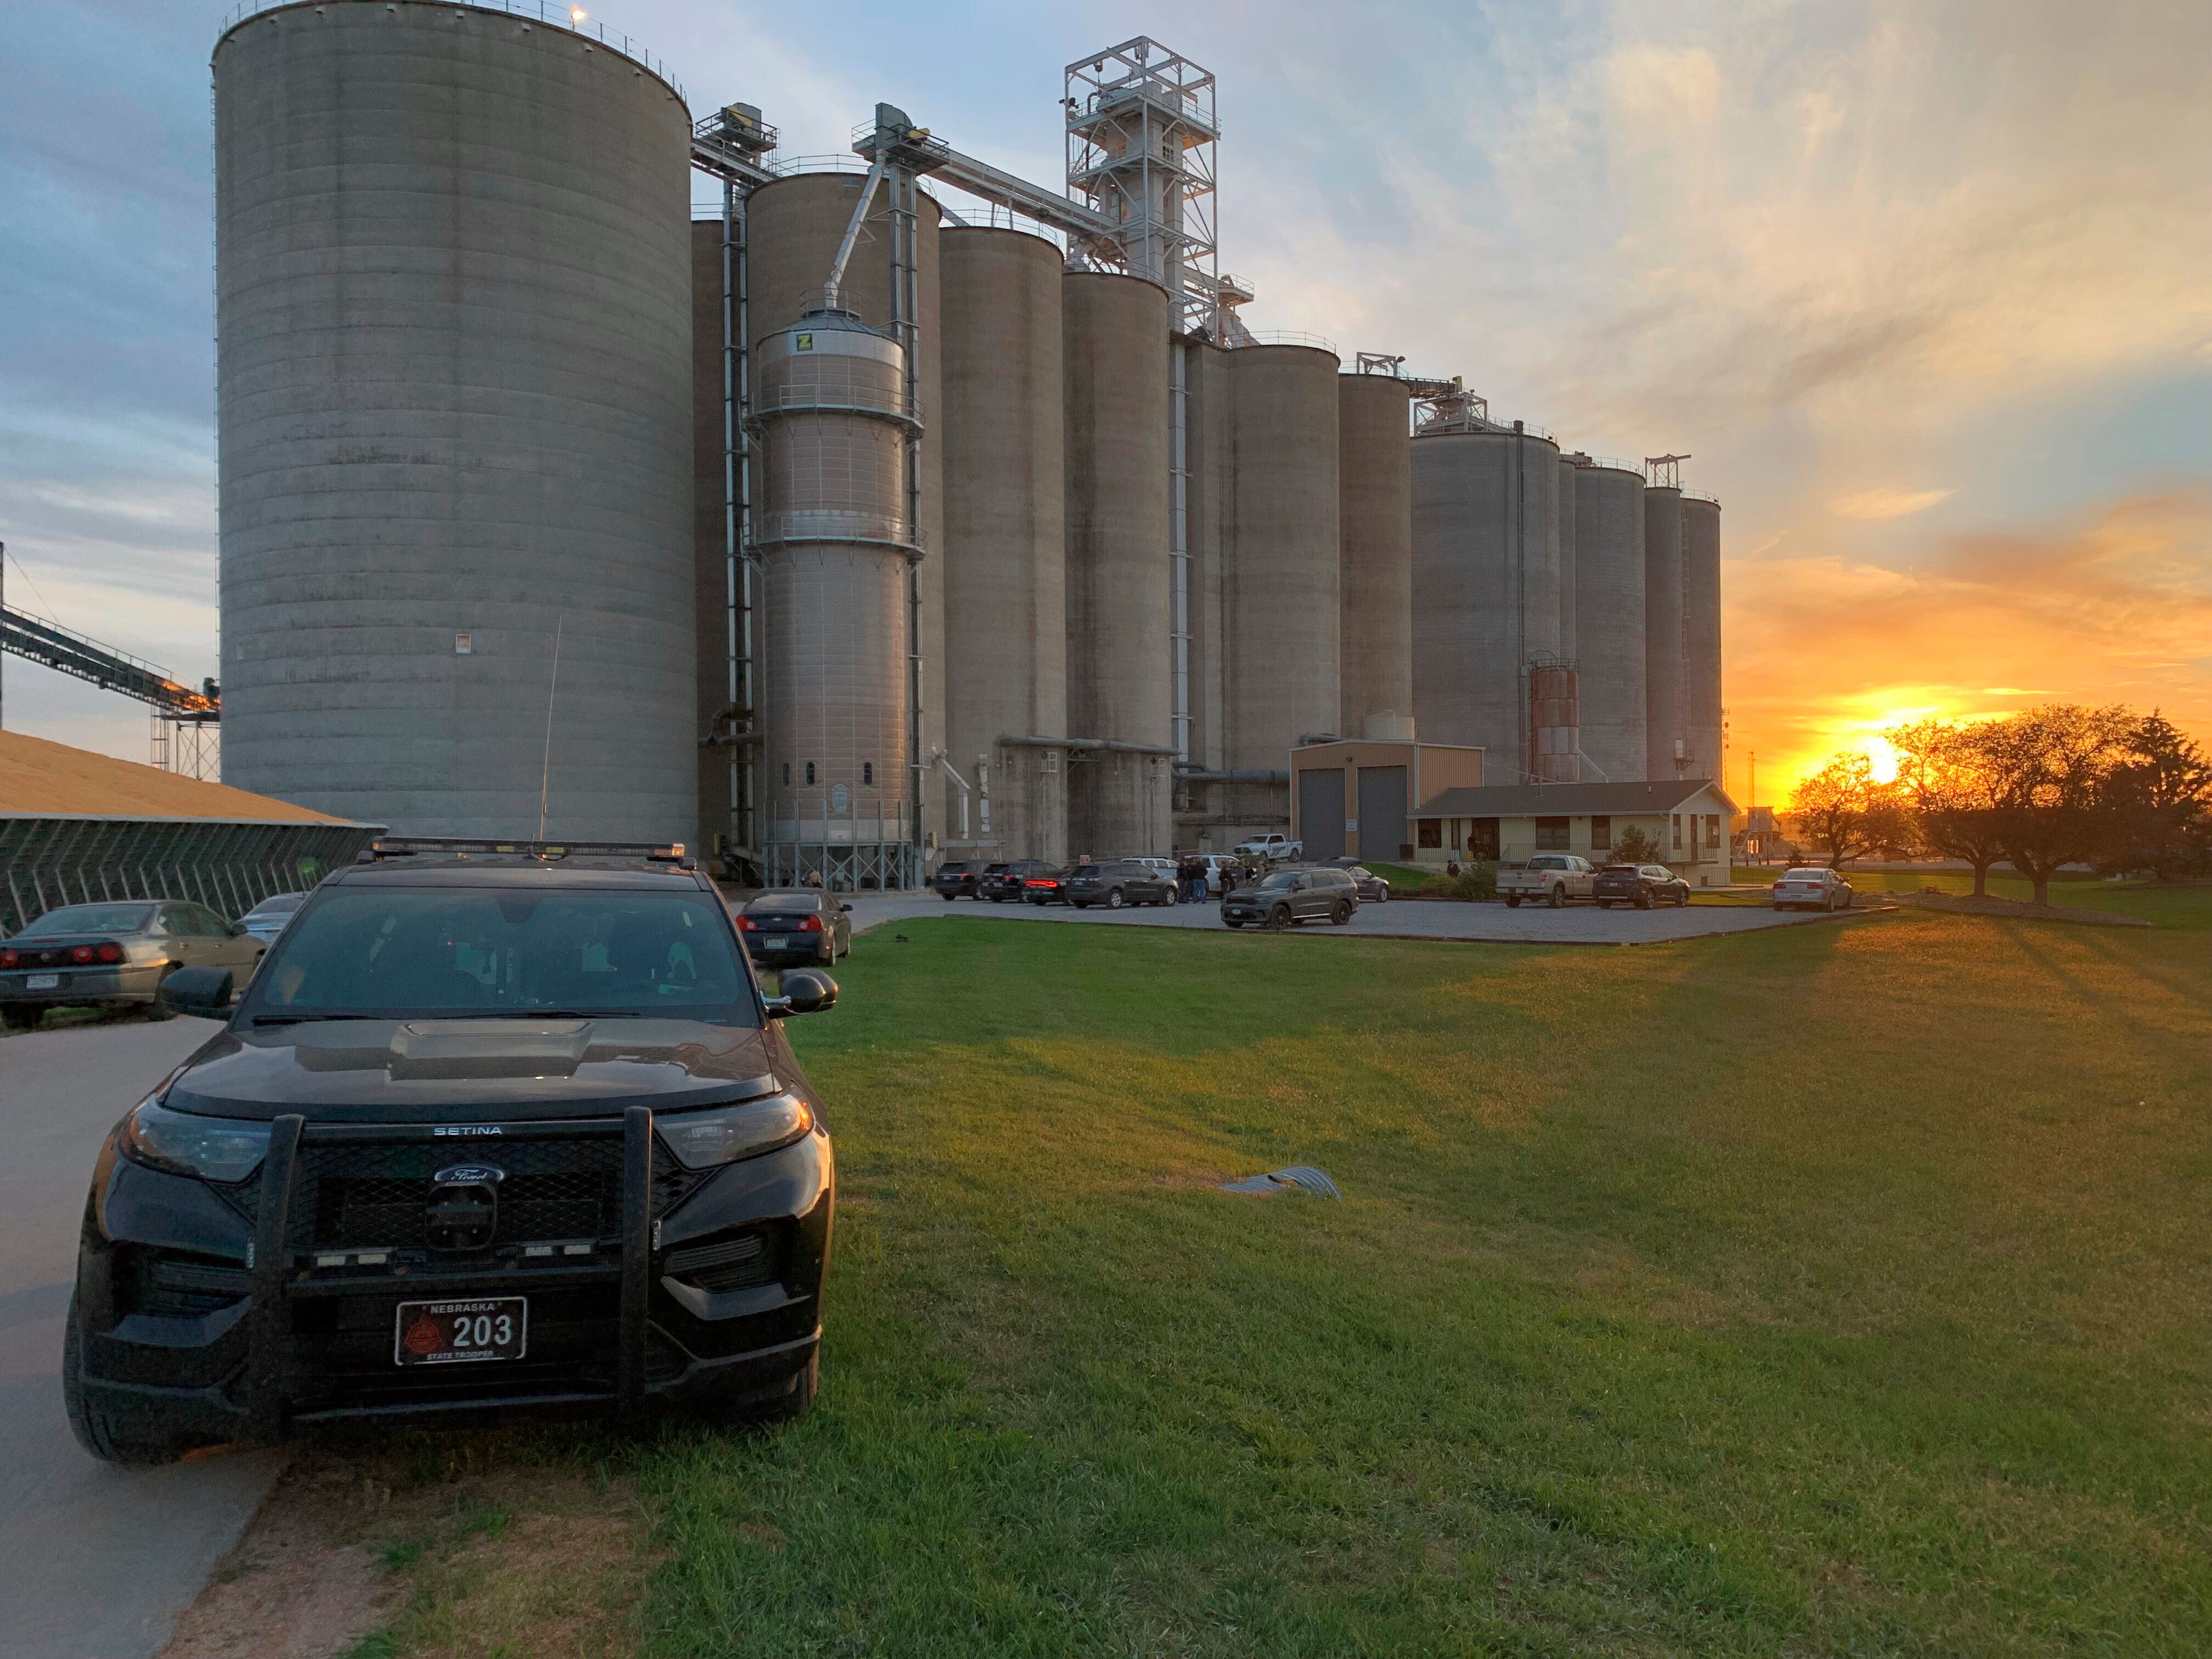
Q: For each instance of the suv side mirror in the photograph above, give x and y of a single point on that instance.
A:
(205, 992)
(844, 906)
(805, 992)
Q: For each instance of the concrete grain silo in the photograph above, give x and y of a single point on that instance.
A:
(1281, 599)
(1375, 532)
(1002, 433)
(1120, 720)
(1609, 620)
(1701, 636)
(1211, 810)
(1665, 735)
(452, 305)
(1567, 503)
(794, 225)
(1486, 586)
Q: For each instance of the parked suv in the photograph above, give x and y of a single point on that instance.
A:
(1005, 881)
(1283, 898)
(500, 1129)
(1125, 881)
(954, 881)
(1640, 884)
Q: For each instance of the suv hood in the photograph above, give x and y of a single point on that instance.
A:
(431, 1071)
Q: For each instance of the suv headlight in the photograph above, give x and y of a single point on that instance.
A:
(725, 1133)
(212, 1148)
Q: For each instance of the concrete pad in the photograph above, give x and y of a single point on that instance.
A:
(95, 1562)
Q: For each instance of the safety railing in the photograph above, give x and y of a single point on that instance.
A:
(575, 19)
(1292, 337)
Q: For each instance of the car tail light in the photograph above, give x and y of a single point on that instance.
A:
(9, 958)
(747, 925)
(82, 953)
(1036, 884)
(108, 951)
(812, 925)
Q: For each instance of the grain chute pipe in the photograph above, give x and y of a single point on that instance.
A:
(852, 235)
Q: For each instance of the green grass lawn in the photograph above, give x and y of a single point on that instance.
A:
(1837, 1289)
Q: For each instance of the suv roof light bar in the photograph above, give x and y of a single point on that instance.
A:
(386, 847)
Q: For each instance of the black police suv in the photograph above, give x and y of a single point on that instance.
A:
(499, 1128)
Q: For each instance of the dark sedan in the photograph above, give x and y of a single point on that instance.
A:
(113, 956)
(960, 880)
(1640, 884)
(1047, 886)
(1372, 887)
(1125, 881)
(1002, 881)
(796, 929)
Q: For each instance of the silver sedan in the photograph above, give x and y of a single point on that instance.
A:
(115, 955)
(1813, 890)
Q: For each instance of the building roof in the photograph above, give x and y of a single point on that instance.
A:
(1527, 801)
(43, 779)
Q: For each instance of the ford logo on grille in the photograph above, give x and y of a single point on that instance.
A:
(469, 1174)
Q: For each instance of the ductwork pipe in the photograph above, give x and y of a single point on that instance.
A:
(1247, 775)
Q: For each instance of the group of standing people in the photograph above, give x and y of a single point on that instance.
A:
(1192, 877)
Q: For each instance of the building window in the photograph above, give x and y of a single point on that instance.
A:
(1430, 832)
(1552, 835)
(1678, 825)
(867, 771)
(1600, 833)
(787, 772)
(1713, 830)
(1482, 839)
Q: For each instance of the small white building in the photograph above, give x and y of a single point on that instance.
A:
(1686, 818)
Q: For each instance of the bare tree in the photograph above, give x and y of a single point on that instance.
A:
(1952, 778)
(1842, 811)
(2056, 769)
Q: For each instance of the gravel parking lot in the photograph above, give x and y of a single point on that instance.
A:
(1576, 924)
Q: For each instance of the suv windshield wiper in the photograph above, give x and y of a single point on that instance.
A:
(535, 1013)
(309, 1020)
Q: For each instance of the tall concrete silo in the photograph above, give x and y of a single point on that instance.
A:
(795, 226)
(1210, 809)
(1280, 606)
(1666, 740)
(1569, 634)
(1609, 620)
(455, 399)
(1375, 532)
(1486, 586)
(1003, 437)
(1701, 636)
(1120, 794)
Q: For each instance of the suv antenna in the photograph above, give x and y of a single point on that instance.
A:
(546, 767)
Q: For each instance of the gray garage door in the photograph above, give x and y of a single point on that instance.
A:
(1382, 811)
(1320, 811)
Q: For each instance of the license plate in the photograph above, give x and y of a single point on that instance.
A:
(456, 1333)
(42, 983)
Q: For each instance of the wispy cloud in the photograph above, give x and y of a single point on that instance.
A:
(1887, 503)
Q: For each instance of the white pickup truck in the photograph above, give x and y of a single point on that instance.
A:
(1271, 846)
(1552, 878)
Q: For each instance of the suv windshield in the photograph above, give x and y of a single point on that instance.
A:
(90, 919)
(1280, 879)
(480, 951)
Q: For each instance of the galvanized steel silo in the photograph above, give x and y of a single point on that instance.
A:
(1281, 604)
(793, 227)
(454, 408)
(1002, 437)
(1701, 636)
(1120, 697)
(1375, 531)
(1609, 620)
(1485, 587)
(1666, 737)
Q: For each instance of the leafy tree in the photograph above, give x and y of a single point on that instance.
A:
(1633, 846)
(1951, 776)
(2058, 770)
(2161, 797)
(1841, 809)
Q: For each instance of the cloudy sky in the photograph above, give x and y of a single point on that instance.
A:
(1925, 290)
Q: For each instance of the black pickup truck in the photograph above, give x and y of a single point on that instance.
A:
(500, 1128)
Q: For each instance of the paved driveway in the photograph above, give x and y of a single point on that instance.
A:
(1576, 924)
(95, 1562)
